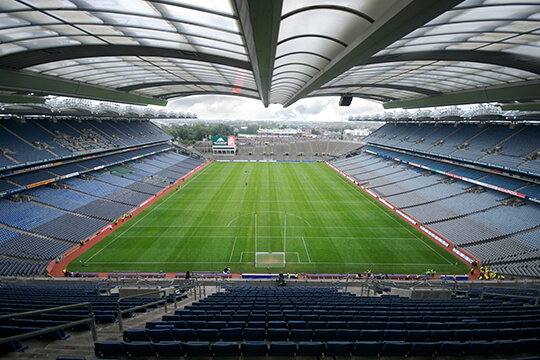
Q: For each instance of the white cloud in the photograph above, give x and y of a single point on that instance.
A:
(234, 107)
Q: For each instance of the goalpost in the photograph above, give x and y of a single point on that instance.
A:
(271, 259)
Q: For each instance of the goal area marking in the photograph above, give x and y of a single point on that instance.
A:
(271, 259)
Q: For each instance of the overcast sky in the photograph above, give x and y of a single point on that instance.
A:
(235, 107)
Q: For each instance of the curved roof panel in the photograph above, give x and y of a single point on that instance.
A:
(402, 53)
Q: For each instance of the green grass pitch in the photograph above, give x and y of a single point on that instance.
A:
(227, 212)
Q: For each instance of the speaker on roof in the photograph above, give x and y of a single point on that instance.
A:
(345, 100)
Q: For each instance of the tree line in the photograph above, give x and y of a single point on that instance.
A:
(190, 134)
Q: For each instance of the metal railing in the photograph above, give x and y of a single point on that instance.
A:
(89, 319)
(177, 293)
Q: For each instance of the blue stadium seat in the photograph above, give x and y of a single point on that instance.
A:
(416, 325)
(223, 317)
(301, 334)
(235, 323)
(441, 335)
(254, 334)
(184, 334)
(207, 334)
(347, 335)
(216, 324)
(508, 334)
(464, 335)
(506, 346)
(324, 334)
(225, 348)
(310, 348)
(297, 324)
(396, 348)
(282, 348)
(360, 325)
(257, 317)
(486, 334)
(136, 335)
(240, 317)
(425, 348)
(394, 335)
(277, 334)
(371, 335)
(179, 324)
(139, 349)
(530, 345)
(256, 324)
(480, 347)
(157, 335)
(196, 324)
(254, 348)
(418, 335)
(109, 349)
(339, 348)
(367, 348)
(337, 325)
(277, 324)
(197, 348)
(453, 348)
(168, 349)
(316, 325)
(231, 334)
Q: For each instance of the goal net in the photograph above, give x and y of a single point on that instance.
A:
(270, 259)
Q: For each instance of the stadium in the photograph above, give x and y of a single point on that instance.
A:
(422, 240)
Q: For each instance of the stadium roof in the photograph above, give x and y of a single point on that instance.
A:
(402, 53)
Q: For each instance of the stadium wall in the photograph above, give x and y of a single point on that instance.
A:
(437, 238)
(54, 269)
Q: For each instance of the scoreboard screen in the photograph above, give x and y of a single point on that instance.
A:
(224, 144)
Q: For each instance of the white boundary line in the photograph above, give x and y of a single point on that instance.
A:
(232, 251)
(284, 232)
(138, 221)
(305, 247)
(419, 238)
(255, 232)
(240, 262)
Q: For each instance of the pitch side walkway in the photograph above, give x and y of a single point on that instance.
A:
(55, 269)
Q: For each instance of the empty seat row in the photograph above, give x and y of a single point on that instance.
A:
(167, 333)
(321, 324)
(312, 348)
(272, 317)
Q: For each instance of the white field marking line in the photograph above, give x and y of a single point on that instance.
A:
(129, 227)
(305, 247)
(240, 262)
(263, 226)
(255, 232)
(416, 237)
(285, 232)
(232, 251)
(298, 256)
(266, 212)
(265, 237)
(242, 254)
(419, 238)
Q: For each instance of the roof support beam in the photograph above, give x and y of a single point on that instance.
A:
(414, 89)
(53, 86)
(521, 107)
(399, 20)
(21, 99)
(508, 93)
(260, 24)
(26, 59)
(523, 62)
